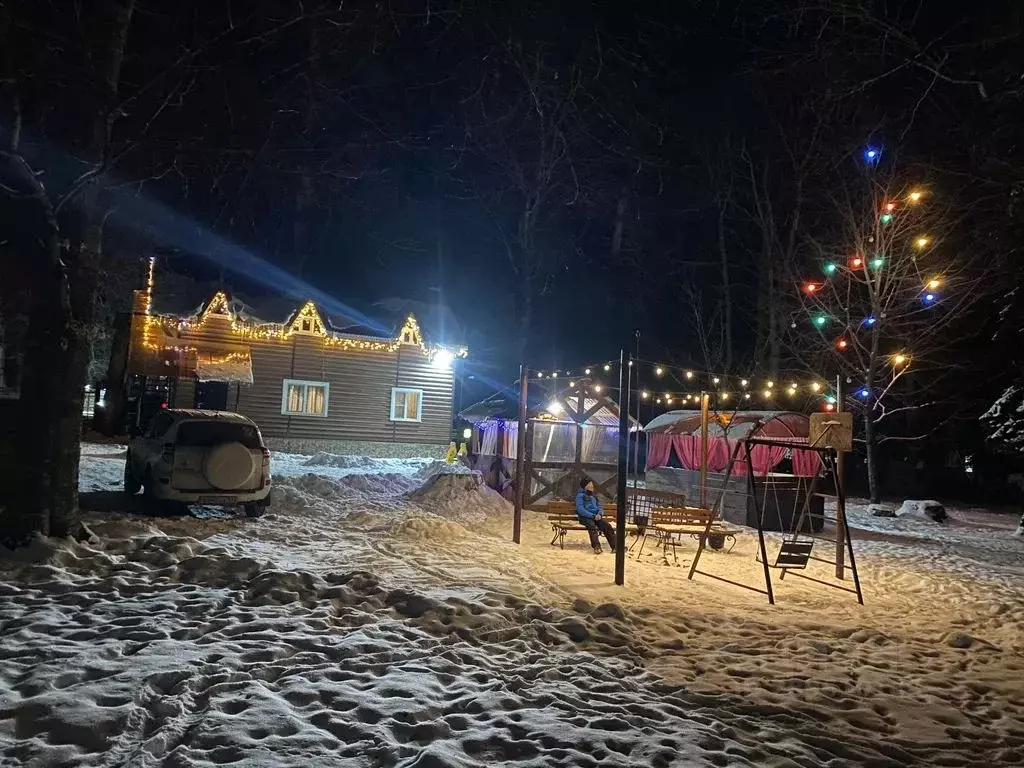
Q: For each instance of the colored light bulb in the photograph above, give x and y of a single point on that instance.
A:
(830, 268)
(820, 320)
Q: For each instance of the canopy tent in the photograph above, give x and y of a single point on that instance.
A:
(679, 433)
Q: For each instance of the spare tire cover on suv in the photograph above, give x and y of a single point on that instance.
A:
(229, 466)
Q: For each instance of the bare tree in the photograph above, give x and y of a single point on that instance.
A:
(888, 290)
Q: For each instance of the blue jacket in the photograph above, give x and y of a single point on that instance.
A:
(588, 506)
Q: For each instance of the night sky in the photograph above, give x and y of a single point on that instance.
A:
(373, 150)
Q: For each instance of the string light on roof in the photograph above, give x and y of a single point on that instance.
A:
(540, 374)
(607, 367)
(587, 371)
(554, 375)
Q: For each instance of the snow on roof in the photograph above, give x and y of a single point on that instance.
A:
(766, 423)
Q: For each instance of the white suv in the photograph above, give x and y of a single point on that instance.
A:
(200, 457)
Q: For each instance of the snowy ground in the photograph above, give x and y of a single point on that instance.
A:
(379, 616)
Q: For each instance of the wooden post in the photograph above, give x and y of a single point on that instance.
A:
(620, 492)
(840, 495)
(517, 514)
(705, 400)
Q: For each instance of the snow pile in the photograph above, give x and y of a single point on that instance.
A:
(457, 493)
(363, 464)
(923, 510)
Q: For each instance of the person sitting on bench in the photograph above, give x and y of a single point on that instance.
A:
(590, 513)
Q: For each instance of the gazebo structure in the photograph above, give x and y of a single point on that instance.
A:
(677, 461)
(574, 433)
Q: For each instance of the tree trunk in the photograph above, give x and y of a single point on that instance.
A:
(46, 446)
(726, 290)
(871, 445)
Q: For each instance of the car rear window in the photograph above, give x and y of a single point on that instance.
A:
(205, 434)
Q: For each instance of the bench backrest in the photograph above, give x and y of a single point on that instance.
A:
(680, 516)
(561, 510)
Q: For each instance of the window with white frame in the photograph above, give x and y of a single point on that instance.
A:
(304, 398)
(406, 404)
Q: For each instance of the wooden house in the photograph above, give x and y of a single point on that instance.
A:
(308, 386)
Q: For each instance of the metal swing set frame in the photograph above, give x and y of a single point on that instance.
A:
(797, 546)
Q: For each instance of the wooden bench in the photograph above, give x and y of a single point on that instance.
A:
(670, 524)
(562, 517)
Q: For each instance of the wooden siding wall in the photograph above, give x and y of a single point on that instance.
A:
(359, 402)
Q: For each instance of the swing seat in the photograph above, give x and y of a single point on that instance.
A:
(794, 554)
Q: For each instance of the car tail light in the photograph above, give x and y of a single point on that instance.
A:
(265, 478)
(168, 452)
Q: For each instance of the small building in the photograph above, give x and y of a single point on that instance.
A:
(573, 432)
(309, 386)
(674, 460)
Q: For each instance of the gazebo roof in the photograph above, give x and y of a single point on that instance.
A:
(785, 424)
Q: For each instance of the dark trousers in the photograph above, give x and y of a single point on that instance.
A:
(594, 527)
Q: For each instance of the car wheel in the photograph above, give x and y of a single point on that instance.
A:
(255, 509)
(131, 483)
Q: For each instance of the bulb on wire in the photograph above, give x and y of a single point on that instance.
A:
(572, 383)
(885, 218)
(856, 262)
(744, 382)
(842, 344)
(872, 155)
(869, 321)
(746, 395)
(554, 375)
(831, 400)
(810, 287)
(715, 380)
(830, 407)
(540, 374)
(922, 242)
(915, 196)
(689, 374)
(830, 268)
(815, 386)
(658, 371)
(890, 207)
(725, 395)
(607, 367)
(597, 387)
(877, 262)
(899, 359)
(864, 393)
(587, 372)
(820, 320)
(646, 395)
(930, 298)
(934, 284)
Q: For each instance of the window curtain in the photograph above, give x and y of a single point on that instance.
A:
(511, 439)
(659, 449)
(688, 450)
(806, 463)
(489, 438)
(719, 451)
(763, 458)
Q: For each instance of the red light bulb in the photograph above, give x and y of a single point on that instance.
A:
(810, 287)
(856, 262)
(890, 207)
(842, 343)
(829, 407)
